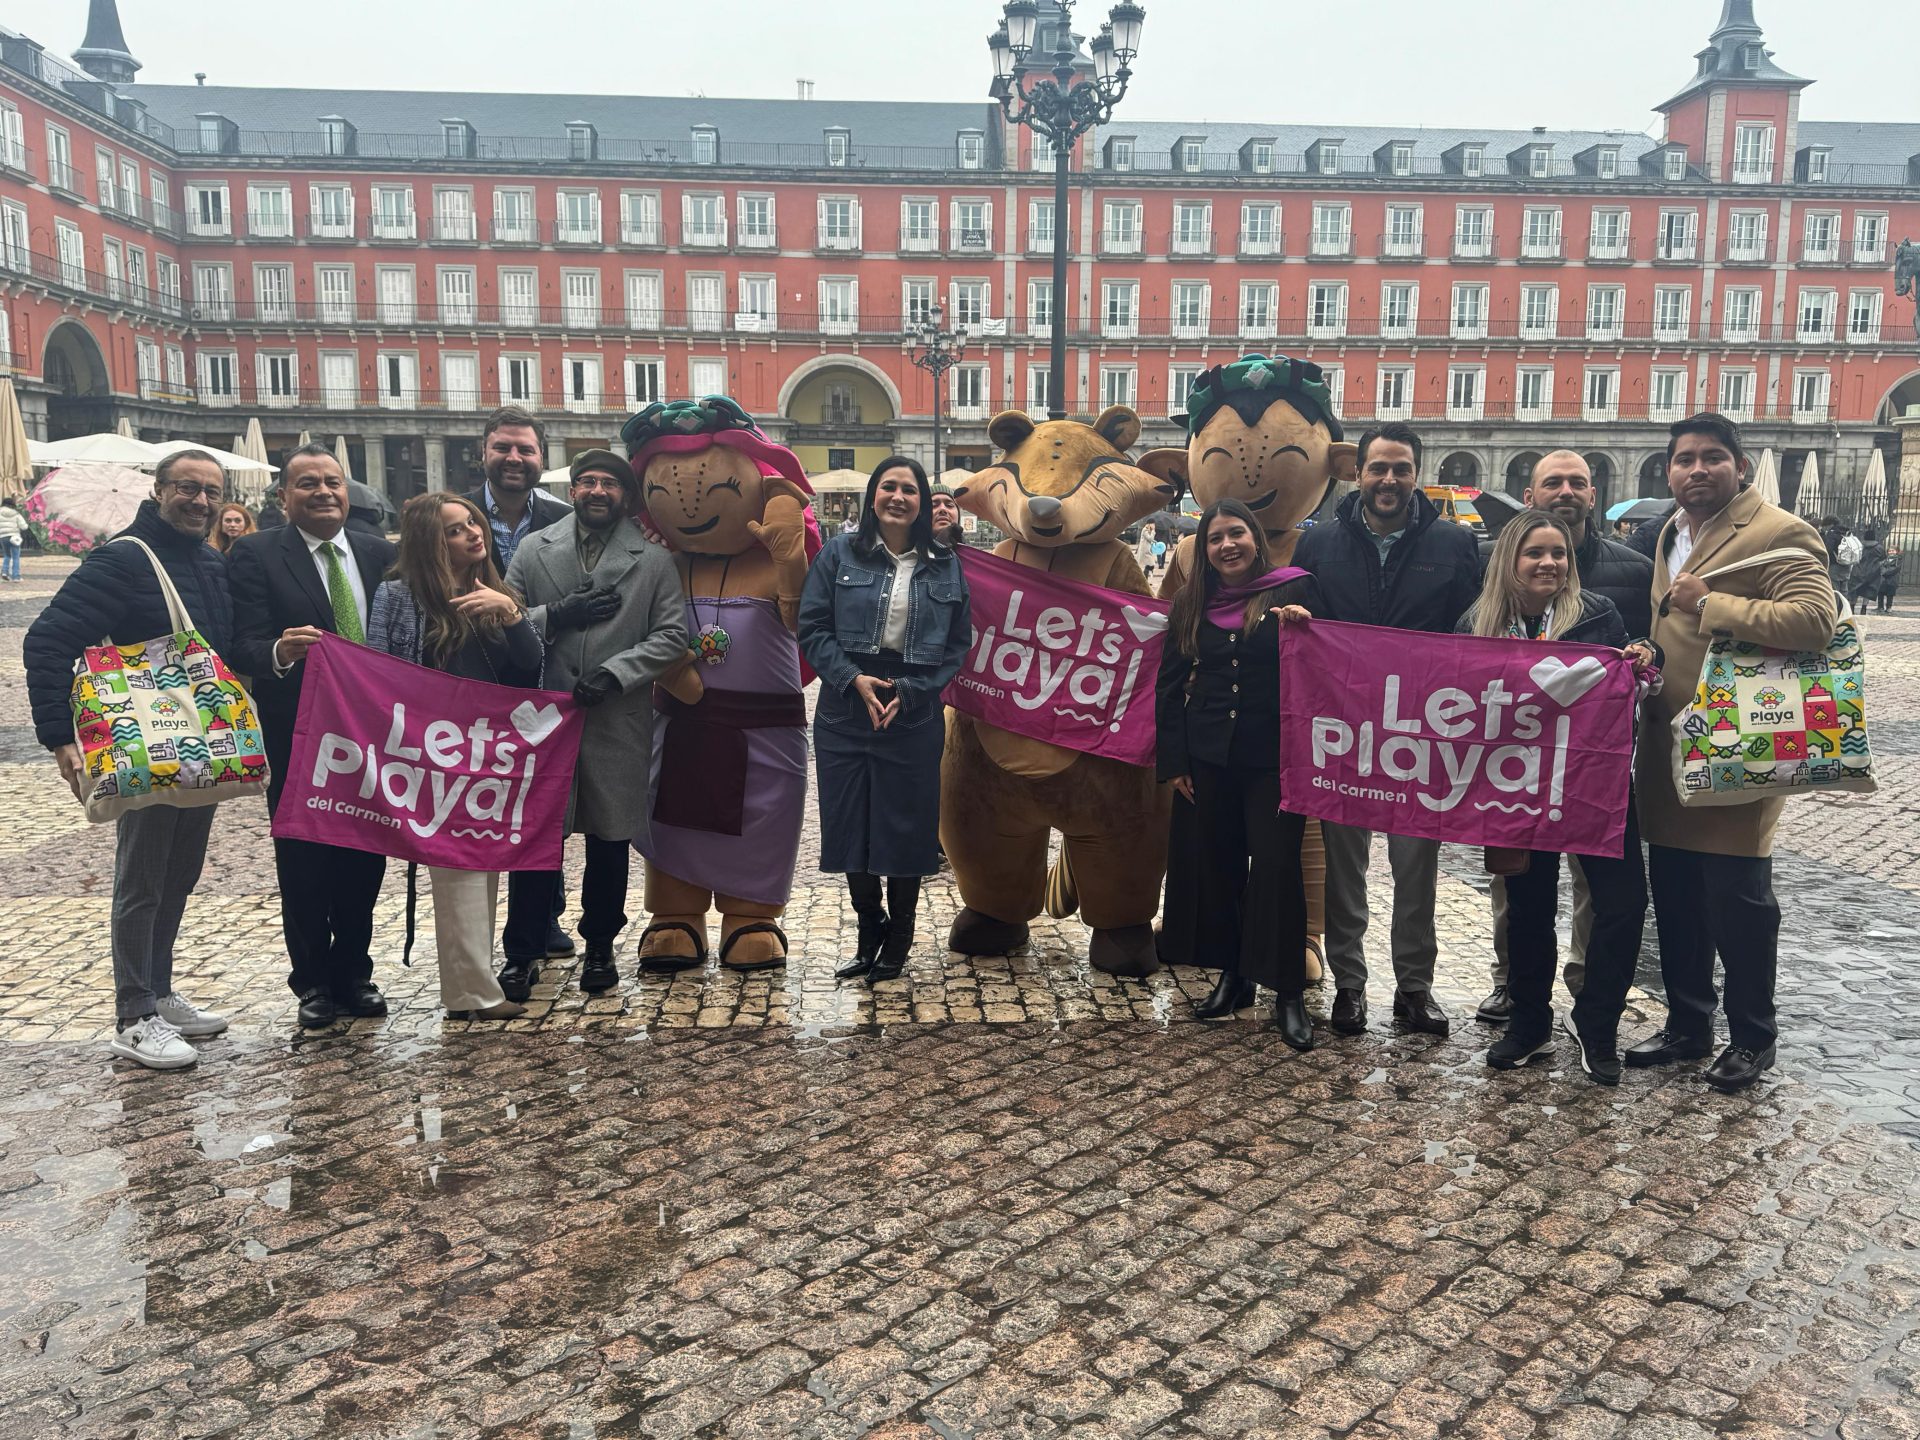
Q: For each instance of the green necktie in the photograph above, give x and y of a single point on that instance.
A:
(346, 614)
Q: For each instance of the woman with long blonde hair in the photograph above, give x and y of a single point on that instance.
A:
(446, 607)
(1532, 593)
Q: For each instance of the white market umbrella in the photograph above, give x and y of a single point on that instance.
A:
(125, 427)
(1807, 503)
(16, 451)
(81, 505)
(839, 482)
(306, 438)
(254, 446)
(1873, 493)
(340, 454)
(103, 449)
(1767, 479)
(230, 462)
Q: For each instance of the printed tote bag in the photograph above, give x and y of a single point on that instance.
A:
(163, 722)
(1774, 722)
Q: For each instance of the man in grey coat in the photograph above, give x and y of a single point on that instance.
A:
(609, 603)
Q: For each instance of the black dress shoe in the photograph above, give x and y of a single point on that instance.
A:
(1349, 1012)
(1230, 993)
(1738, 1067)
(1291, 1020)
(317, 1010)
(1497, 1008)
(361, 1001)
(1520, 1044)
(558, 941)
(599, 973)
(517, 979)
(1599, 1058)
(1668, 1047)
(873, 935)
(1416, 1010)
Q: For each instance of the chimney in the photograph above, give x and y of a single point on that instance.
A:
(804, 89)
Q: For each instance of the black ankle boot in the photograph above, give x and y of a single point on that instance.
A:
(1231, 993)
(1291, 1020)
(892, 959)
(873, 934)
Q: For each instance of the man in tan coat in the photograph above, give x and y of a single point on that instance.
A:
(1712, 869)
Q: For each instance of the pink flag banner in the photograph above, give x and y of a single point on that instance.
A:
(1060, 661)
(419, 765)
(1517, 744)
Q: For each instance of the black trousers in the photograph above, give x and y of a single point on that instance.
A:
(1619, 890)
(1703, 904)
(1250, 912)
(326, 912)
(531, 897)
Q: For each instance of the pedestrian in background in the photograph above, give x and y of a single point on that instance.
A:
(1217, 718)
(884, 622)
(447, 608)
(13, 532)
(159, 850)
(311, 577)
(233, 521)
(1388, 560)
(1863, 584)
(946, 519)
(1889, 578)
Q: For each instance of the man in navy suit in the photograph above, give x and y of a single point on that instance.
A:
(311, 576)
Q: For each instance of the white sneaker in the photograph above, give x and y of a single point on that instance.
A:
(188, 1018)
(154, 1043)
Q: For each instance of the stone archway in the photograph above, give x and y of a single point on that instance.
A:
(76, 368)
(1653, 477)
(806, 370)
(1461, 468)
(1902, 393)
(1601, 466)
(1520, 472)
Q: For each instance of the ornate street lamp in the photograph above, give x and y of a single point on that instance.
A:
(940, 350)
(1062, 109)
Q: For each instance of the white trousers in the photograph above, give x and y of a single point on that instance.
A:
(464, 906)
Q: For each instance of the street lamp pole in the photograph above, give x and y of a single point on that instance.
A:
(1062, 109)
(940, 350)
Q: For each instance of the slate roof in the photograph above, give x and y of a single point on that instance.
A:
(1154, 140)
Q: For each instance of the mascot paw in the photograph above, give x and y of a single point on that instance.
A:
(752, 944)
(977, 934)
(1127, 951)
(670, 945)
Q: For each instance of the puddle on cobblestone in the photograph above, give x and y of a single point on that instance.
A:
(70, 1265)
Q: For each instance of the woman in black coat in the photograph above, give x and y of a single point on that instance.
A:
(1532, 592)
(1217, 710)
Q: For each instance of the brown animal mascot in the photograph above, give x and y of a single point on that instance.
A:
(1261, 431)
(730, 749)
(1062, 492)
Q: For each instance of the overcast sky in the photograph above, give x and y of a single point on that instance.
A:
(1493, 63)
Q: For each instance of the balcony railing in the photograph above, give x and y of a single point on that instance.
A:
(1816, 254)
(1118, 242)
(1541, 247)
(515, 232)
(1616, 250)
(269, 225)
(15, 156)
(1331, 244)
(394, 227)
(703, 235)
(1402, 247)
(1738, 250)
(836, 240)
(575, 232)
(644, 235)
(1677, 251)
(330, 227)
(971, 241)
(1190, 242)
(63, 178)
(763, 237)
(1273, 244)
(455, 229)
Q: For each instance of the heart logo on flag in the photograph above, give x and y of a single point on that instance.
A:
(1566, 683)
(1144, 626)
(535, 725)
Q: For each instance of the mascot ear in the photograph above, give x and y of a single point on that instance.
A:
(1343, 462)
(1009, 428)
(1168, 464)
(1118, 426)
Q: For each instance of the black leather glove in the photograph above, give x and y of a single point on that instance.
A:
(585, 606)
(595, 688)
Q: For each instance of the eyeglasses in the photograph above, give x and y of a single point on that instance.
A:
(188, 490)
(599, 482)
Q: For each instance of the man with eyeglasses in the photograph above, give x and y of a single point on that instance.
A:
(159, 850)
(312, 576)
(1388, 559)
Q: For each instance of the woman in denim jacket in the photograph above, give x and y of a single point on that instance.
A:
(884, 622)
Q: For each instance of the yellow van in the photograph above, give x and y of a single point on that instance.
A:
(1455, 503)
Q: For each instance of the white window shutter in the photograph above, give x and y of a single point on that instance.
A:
(853, 302)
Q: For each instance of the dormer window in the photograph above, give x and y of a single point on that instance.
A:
(1190, 155)
(1120, 154)
(1676, 165)
(972, 149)
(1402, 158)
(1817, 161)
(1751, 56)
(1473, 160)
(1261, 157)
(1329, 158)
(1539, 161)
(582, 141)
(457, 139)
(213, 133)
(1606, 164)
(336, 135)
(706, 145)
(839, 144)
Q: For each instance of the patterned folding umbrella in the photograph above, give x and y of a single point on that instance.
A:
(78, 506)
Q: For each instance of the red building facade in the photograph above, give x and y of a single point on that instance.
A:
(389, 266)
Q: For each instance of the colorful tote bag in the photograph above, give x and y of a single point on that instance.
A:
(1774, 722)
(164, 722)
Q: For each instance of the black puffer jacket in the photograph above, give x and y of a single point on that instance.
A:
(1616, 570)
(114, 595)
(1431, 574)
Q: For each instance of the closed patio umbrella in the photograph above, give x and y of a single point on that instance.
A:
(340, 454)
(1807, 503)
(16, 456)
(1767, 478)
(254, 445)
(1873, 493)
(125, 427)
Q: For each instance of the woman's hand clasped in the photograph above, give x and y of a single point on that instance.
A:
(1640, 654)
(487, 604)
(880, 698)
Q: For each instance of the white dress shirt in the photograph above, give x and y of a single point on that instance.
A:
(354, 580)
(893, 633)
(1682, 543)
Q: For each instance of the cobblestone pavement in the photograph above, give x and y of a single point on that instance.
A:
(997, 1198)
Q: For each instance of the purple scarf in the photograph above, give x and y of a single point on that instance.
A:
(1228, 607)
